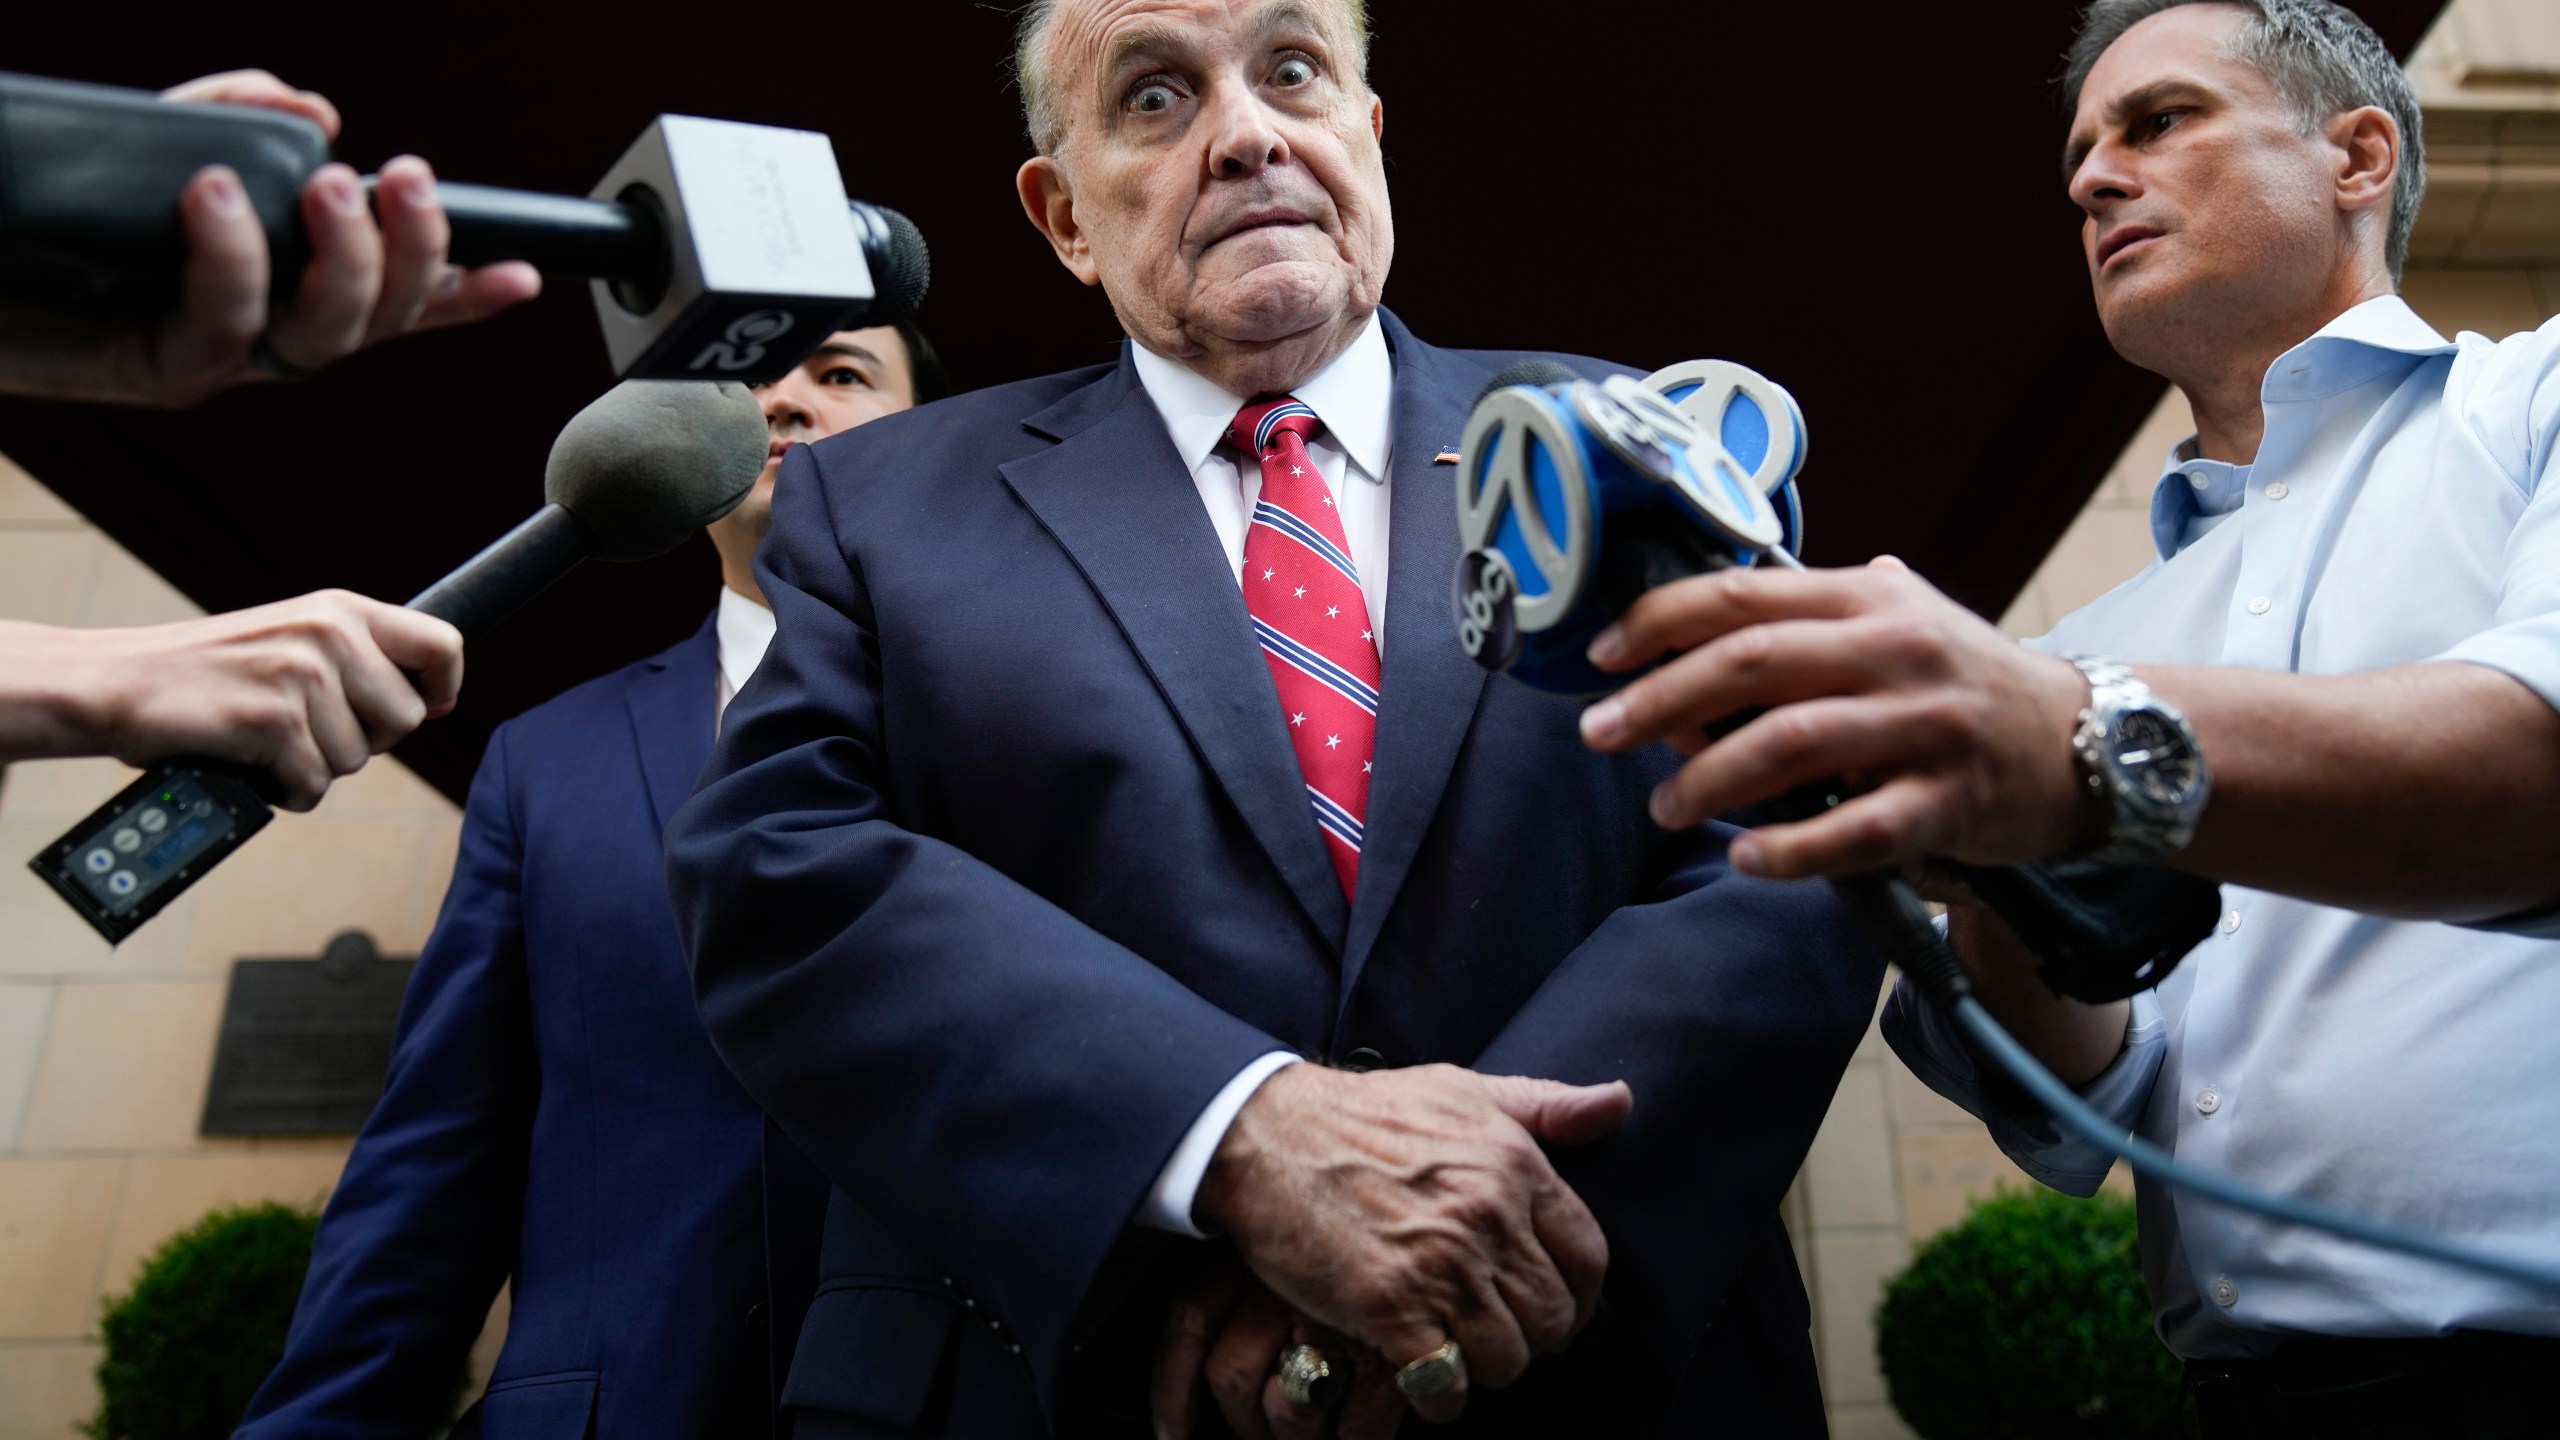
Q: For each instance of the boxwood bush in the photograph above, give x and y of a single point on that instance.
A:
(203, 1324)
(2028, 1321)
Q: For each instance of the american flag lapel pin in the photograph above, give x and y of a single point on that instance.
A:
(1447, 456)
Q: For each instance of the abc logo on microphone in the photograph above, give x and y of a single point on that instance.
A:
(1575, 497)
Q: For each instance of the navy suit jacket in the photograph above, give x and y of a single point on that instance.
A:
(1003, 867)
(555, 1117)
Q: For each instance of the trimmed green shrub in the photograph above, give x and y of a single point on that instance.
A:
(202, 1326)
(2028, 1321)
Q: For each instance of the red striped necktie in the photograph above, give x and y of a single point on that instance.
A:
(1303, 593)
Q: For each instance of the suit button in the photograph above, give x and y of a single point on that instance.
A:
(1363, 1060)
(755, 1316)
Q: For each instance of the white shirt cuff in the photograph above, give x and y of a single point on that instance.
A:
(1168, 1202)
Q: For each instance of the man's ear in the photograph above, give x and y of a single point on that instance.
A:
(1378, 118)
(1051, 203)
(2368, 143)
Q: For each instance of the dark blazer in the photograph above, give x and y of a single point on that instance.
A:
(556, 1118)
(1003, 867)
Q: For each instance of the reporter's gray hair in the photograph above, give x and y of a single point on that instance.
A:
(1031, 66)
(2323, 61)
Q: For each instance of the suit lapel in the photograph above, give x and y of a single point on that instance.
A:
(1428, 688)
(1115, 496)
(672, 713)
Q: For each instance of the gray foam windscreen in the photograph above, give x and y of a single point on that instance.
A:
(649, 462)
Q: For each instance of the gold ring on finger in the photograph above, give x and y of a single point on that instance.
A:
(1434, 1375)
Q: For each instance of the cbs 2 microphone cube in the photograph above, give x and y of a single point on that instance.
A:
(763, 255)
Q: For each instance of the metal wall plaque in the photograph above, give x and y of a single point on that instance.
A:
(305, 1043)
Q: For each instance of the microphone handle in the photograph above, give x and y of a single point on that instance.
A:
(518, 566)
(559, 234)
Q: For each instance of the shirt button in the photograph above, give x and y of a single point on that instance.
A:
(2261, 605)
(2231, 923)
(2225, 1294)
(2278, 490)
(2198, 479)
(2208, 1100)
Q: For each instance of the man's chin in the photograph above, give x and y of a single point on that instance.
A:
(1274, 303)
(2136, 304)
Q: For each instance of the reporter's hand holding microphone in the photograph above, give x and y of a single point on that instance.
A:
(1872, 672)
(306, 689)
(377, 270)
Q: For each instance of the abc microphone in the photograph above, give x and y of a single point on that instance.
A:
(1574, 498)
(715, 250)
(632, 476)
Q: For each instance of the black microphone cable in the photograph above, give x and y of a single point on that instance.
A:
(1894, 919)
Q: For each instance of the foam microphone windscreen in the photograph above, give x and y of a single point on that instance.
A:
(652, 461)
(902, 272)
(1536, 370)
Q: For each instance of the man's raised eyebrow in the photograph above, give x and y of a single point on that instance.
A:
(2124, 107)
(1147, 42)
(845, 348)
(1292, 12)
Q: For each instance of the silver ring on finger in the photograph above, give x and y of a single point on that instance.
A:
(1308, 1378)
(1434, 1375)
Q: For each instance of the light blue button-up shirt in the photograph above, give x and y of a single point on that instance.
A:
(2404, 507)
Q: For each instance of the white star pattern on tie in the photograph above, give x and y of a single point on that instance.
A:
(1318, 671)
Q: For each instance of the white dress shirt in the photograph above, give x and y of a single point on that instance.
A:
(743, 629)
(2404, 506)
(1354, 397)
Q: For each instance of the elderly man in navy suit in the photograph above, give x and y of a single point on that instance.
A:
(1121, 885)
(555, 1118)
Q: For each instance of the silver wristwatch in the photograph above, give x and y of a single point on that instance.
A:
(2146, 776)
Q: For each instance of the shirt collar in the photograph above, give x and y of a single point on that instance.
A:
(2362, 344)
(745, 629)
(1354, 395)
(2191, 485)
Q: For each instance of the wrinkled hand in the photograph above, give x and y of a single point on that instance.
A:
(1963, 734)
(366, 281)
(1405, 1208)
(1226, 1332)
(308, 688)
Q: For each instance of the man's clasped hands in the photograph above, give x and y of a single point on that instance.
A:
(1378, 1216)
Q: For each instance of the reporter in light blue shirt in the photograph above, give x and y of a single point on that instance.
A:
(2357, 610)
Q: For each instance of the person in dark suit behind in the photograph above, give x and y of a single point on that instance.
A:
(555, 1118)
(1078, 807)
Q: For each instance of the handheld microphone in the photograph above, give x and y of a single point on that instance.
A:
(632, 476)
(716, 250)
(1574, 499)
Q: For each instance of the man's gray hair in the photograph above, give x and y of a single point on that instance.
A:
(2323, 61)
(1040, 99)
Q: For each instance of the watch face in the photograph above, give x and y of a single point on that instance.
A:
(2154, 757)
